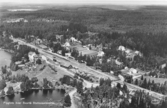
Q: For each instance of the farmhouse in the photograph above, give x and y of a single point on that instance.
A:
(100, 54)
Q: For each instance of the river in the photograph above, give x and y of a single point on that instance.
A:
(28, 99)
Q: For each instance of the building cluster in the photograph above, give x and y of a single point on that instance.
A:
(130, 54)
(33, 58)
(16, 20)
(135, 73)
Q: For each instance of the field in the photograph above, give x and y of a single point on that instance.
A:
(47, 72)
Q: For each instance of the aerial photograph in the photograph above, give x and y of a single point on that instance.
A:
(83, 53)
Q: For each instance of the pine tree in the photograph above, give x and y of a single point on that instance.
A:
(142, 77)
(101, 81)
(80, 87)
(67, 101)
(136, 82)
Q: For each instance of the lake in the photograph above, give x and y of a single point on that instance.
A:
(33, 99)
(28, 99)
(5, 58)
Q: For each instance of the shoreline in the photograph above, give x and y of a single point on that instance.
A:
(27, 91)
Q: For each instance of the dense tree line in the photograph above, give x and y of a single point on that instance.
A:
(47, 84)
(2, 84)
(141, 100)
(73, 82)
(151, 85)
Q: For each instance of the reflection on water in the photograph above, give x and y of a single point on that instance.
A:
(32, 96)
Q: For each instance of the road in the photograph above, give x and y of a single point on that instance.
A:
(83, 67)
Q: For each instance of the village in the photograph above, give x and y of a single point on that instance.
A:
(43, 67)
(80, 60)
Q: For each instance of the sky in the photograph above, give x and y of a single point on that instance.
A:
(117, 2)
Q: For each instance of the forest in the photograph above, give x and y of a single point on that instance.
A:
(101, 18)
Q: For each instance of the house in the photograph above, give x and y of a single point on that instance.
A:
(59, 37)
(72, 39)
(133, 71)
(43, 46)
(121, 77)
(100, 54)
(31, 56)
(59, 52)
(67, 54)
(18, 62)
(67, 44)
(36, 57)
(43, 58)
(111, 72)
(120, 93)
(163, 66)
(121, 48)
(138, 53)
(21, 66)
(38, 41)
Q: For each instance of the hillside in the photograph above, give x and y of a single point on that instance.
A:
(103, 18)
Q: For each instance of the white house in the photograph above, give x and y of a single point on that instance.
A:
(31, 56)
(133, 71)
(100, 54)
(111, 72)
(67, 54)
(121, 48)
(73, 39)
(67, 44)
(44, 58)
(120, 93)
(138, 53)
(163, 66)
(38, 41)
(59, 52)
(121, 77)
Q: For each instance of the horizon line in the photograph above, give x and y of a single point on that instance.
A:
(19, 3)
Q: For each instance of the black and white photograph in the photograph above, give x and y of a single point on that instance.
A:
(83, 53)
